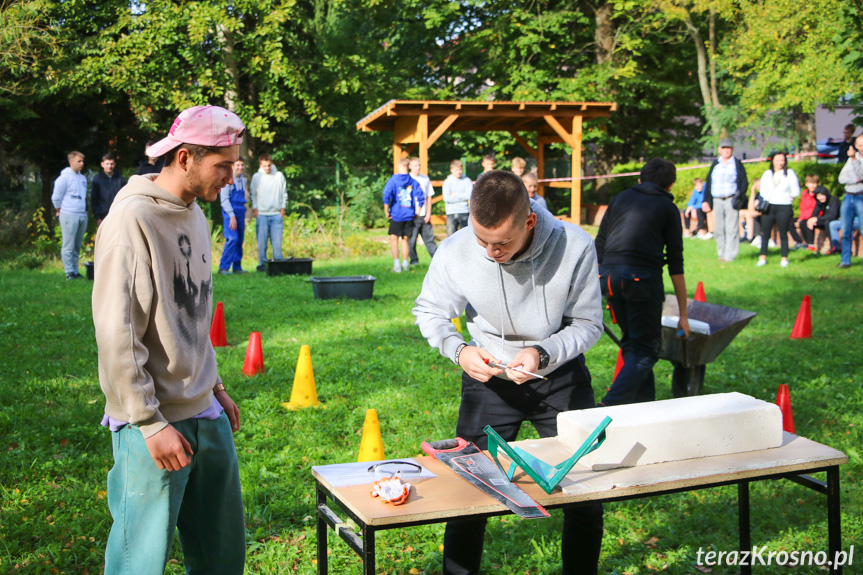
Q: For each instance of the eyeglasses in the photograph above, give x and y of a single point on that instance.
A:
(387, 469)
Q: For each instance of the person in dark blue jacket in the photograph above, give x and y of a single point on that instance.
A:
(639, 234)
(402, 195)
(104, 188)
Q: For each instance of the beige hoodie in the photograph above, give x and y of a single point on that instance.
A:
(152, 308)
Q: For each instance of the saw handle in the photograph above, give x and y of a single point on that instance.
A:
(441, 445)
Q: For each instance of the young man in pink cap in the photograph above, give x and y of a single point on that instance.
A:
(175, 464)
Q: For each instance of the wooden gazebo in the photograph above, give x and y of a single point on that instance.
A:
(419, 123)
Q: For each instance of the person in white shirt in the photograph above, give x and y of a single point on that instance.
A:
(725, 190)
(851, 177)
(269, 197)
(422, 222)
(779, 186)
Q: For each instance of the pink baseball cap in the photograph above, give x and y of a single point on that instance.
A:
(210, 126)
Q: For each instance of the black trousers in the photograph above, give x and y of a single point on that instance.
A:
(504, 405)
(780, 215)
(635, 295)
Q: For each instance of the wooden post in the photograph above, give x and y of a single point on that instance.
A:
(575, 198)
(397, 155)
(540, 162)
(423, 129)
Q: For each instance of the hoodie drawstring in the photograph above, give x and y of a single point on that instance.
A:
(500, 306)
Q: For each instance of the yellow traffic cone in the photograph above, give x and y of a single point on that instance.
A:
(303, 394)
(456, 321)
(371, 445)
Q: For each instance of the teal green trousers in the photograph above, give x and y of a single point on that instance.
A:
(203, 500)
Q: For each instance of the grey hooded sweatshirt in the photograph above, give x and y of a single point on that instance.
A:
(152, 303)
(548, 296)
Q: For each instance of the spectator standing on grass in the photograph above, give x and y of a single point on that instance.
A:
(150, 165)
(456, 198)
(422, 221)
(175, 464)
(851, 177)
(518, 165)
(725, 180)
(693, 210)
(402, 196)
(104, 188)
(531, 182)
(233, 200)
(779, 186)
(487, 163)
(847, 143)
(269, 195)
(70, 200)
(639, 234)
(529, 284)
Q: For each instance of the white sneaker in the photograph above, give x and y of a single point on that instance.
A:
(761, 263)
(784, 263)
(397, 268)
(707, 236)
(756, 243)
(771, 244)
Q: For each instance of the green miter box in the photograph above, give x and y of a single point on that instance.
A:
(546, 476)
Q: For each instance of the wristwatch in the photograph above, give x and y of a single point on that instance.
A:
(219, 387)
(544, 358)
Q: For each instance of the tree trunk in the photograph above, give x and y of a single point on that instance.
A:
(703, 82)
(604, 34)
(45, 173)
(604, 39)
(233, 69)
(804, 128)
(714, 91)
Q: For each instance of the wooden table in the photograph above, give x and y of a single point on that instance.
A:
(448, 496)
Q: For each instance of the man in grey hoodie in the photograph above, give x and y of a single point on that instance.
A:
(170, 416)
(529, 285)
(70, 199)
(269, 196)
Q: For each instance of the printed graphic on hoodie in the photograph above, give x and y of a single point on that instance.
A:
(405, 199)
(192, 300)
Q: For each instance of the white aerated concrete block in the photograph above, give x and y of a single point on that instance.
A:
(674, 429)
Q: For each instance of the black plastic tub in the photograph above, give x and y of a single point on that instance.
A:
(351, 287)
(90, 270)
(290, 266)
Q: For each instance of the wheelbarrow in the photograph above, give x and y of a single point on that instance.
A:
(691, 356)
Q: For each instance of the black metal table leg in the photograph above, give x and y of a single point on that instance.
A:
(834, 519)
(368, 550)
(743, 524)
(323, 567)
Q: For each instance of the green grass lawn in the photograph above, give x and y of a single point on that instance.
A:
(368, 354)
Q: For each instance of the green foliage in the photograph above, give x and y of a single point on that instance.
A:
(366, 354)
(41, 237)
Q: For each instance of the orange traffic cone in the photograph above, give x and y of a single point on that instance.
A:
(619, 365)
(803, 324)
(699, 293)
(217, 330)
(783, 400)
(371, 444)
(254, 363)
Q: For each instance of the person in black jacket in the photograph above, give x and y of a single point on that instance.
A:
(105, 186)
(150, 165)
(725, 195)
(826, 211)
(639, 234)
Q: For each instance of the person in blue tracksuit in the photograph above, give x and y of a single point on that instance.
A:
(233, 199)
